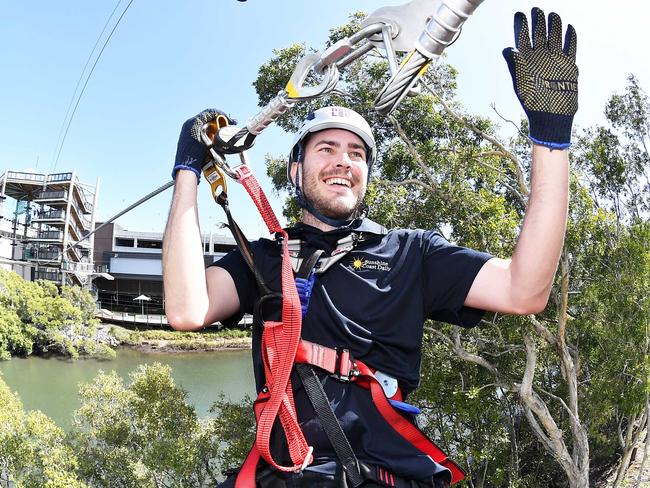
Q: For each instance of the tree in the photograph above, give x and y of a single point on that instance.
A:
(143, 435)
(234, 426)
(518, 397)
(33, 453)
(38, 316)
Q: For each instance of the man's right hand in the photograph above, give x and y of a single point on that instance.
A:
(191, 153)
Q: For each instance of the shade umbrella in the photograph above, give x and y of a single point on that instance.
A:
(142, 299)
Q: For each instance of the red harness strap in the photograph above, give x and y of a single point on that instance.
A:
(279, 344)
(342, 365)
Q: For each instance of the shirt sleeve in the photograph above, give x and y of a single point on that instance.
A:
(449, 272)
(234, 264)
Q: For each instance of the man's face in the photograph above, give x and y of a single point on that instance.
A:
(334, 172)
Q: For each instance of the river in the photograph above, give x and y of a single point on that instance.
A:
(51, 385)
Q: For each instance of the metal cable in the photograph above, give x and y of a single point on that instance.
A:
(396, 88)
(65, 135)
(81, 76)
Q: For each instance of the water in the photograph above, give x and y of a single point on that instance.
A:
(52, 385)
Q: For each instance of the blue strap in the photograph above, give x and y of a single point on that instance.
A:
(305, 287)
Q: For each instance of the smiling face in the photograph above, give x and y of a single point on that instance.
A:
(334, 173)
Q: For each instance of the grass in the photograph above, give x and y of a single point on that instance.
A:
(185, 341)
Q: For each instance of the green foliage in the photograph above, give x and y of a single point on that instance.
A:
(37, 316)
(234, 425)
(83, 300)
(16, 337)
(33, 453)
(143, 435)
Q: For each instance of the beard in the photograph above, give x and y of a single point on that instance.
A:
(343, 207)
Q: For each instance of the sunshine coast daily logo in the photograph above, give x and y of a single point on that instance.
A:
(359, 263)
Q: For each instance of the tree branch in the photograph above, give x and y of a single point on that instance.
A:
(411, 181)
(412, 150)
(477, 159)
(543, 331)
(456, 346)
(537, 411)
(521, 180)
(561, 401)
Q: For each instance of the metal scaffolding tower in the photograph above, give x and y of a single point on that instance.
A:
(58, 212)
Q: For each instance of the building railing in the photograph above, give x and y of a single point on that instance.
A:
(80, 215)
(50, 214)
(76, 251)
(50, 234)
(42, 254)
(59, 177)
(87, 207)
(77, 267)
(52, 194)
(20, 175)
(45, 274)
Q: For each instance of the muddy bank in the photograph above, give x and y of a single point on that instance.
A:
(171, 346)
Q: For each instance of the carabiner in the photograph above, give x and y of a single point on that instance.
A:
(218, 164)
(296, 88)
(215, 176)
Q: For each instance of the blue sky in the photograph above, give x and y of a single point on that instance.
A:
(168, 60)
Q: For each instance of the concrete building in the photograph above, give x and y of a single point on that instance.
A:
(134, 262)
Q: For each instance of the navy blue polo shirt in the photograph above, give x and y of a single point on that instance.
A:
(373, 302)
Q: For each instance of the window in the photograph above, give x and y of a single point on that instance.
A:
(122, 242)
(222, 247)
(149, 244)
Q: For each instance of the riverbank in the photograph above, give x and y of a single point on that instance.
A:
(169, 341)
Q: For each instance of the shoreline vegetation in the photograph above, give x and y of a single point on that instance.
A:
(40, 318)
(170, 341)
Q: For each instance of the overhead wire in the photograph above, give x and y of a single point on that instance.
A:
(81, 77)
(83, 89)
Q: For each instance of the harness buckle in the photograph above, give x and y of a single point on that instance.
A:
(346, 366)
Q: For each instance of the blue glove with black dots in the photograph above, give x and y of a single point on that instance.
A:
(545, 77)
(192, 153)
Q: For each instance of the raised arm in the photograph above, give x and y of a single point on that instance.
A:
(545, 78)
(194, 297)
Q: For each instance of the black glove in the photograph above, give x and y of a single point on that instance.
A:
(545, 77)
(191, 153)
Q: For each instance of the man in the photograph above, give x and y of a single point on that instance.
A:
(373, 296)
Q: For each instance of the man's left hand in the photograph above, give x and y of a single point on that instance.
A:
(545, 77)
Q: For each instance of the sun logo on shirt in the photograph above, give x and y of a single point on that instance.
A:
(357, 263)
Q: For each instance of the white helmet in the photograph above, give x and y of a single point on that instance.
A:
(333, 118)
(330, 118)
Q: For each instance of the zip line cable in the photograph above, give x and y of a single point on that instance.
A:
(152, 194)
(83, 89)
(81, 76)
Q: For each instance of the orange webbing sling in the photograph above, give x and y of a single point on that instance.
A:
(279, 344)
